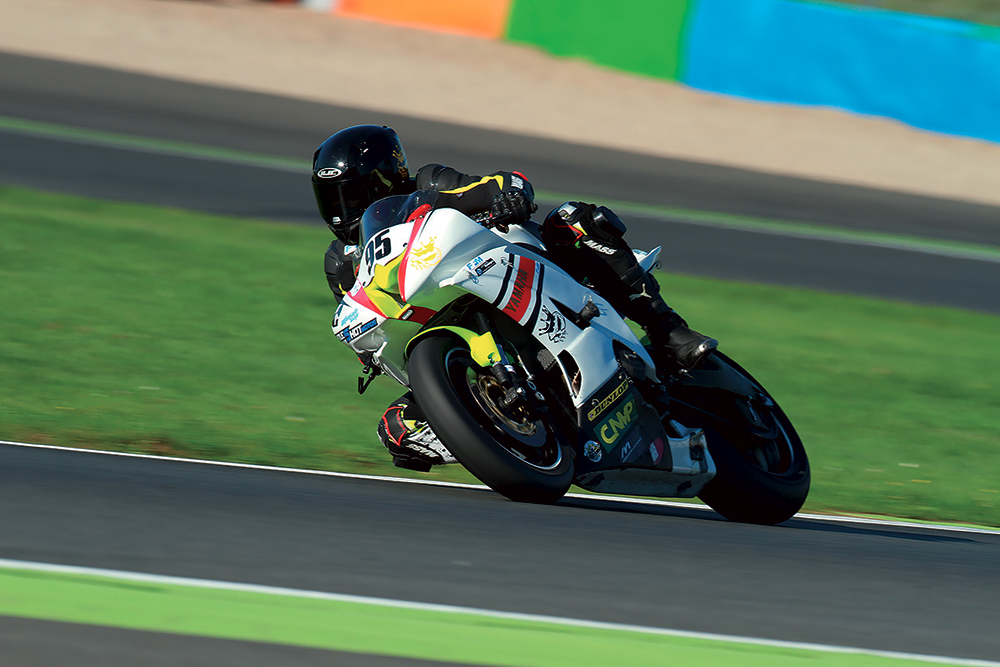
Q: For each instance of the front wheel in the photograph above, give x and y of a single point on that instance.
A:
(516, 454)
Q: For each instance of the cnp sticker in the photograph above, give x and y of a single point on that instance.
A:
(617, 424)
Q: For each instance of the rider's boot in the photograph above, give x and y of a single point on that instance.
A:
(673, 341)
(404, 431)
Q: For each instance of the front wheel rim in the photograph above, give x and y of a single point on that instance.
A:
(527, 440)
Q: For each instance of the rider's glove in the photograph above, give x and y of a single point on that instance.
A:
(510, 207)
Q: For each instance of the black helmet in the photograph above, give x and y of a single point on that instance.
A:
(353, 169)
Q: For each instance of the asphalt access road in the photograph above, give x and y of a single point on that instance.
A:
(113, 101)
(888, 588)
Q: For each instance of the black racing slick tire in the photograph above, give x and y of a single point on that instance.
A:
(764, 483)
(762, 471)
(522, 458)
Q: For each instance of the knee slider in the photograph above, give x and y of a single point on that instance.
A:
(604, 224)
(570, 213)
(558, 227)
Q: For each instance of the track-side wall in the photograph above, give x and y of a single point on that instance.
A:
(935, 74)
(641, 36)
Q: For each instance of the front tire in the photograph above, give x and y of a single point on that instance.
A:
(521, 457)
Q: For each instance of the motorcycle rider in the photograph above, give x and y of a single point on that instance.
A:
(360, 165)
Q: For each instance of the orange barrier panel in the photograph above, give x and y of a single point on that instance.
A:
(481, 18)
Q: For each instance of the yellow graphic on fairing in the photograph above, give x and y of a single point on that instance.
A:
(425, 255)
(383, 289)
(386, 276)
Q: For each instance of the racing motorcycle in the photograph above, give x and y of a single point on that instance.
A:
(534, 382)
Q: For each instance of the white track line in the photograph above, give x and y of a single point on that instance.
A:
(832, 518)
(471, 611)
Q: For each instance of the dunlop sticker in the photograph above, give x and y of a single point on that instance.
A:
(603, 405)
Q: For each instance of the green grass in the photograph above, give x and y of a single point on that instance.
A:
(149, 330)
(447, 636)
(161, 331)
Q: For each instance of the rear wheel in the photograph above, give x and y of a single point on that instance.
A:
(762, 469)
(758, 480)
(513, 451)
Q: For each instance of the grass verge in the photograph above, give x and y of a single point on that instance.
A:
(156, 604)
(159, 331)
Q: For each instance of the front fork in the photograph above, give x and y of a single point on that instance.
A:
(520, 392)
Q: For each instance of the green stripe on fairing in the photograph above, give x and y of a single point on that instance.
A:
(376, 629)
(688, 216)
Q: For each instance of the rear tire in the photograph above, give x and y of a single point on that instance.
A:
(758, 481)
(525, 459)
(762, 474)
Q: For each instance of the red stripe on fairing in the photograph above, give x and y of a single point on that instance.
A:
(418, 217)
(362, 298)
(521, 292)
(421, 315)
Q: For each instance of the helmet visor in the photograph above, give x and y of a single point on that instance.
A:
(342, 202)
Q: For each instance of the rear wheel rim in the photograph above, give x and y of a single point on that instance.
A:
(774, 456)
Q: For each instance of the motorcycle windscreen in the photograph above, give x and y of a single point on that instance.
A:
(392, 211)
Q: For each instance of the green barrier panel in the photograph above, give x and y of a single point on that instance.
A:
(641, 36)
(985, 32)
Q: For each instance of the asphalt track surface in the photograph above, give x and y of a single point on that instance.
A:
(134, 105)
(889, 588)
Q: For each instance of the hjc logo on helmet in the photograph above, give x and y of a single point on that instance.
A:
(329, 172)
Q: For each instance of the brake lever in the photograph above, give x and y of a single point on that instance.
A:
(372, 371)
(487, 220)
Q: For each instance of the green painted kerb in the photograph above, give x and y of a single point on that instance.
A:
(641, 36)
(374, 629)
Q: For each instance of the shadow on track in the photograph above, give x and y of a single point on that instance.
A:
(899, 533)
(703, 514)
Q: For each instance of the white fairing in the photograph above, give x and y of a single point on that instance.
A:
(527, 287)
(445, 249)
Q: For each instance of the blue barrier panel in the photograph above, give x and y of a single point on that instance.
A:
(935, 74)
